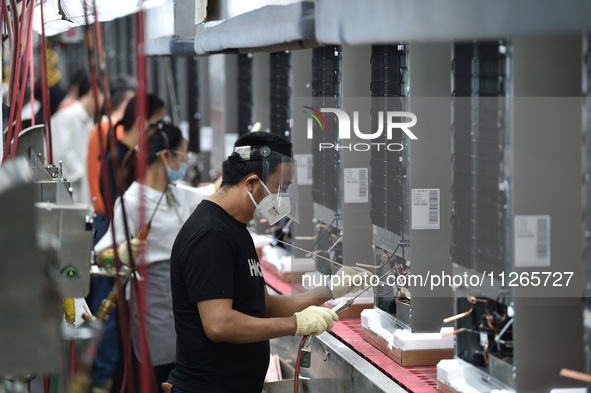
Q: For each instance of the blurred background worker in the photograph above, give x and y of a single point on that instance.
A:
(224, 317)
(71, 128)
(123, 91)
(73, 92)
(167, 207)
(127, 138)
(128, 141)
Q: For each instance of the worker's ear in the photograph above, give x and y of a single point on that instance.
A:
(165, 154)
(250, 182)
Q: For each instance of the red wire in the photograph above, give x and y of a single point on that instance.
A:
(3, 12)
(46, 383)
(19, 124)
(17, 72)
(146, 375)
(45, 88)
(32, 84)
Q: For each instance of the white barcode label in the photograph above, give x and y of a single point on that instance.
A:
(305, 169)
(532, 241)
(426, 208)
(356, 187)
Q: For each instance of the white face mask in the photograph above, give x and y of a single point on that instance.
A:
(273, 207)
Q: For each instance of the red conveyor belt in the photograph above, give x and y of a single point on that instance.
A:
(348, 330)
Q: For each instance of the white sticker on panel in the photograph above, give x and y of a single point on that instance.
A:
(426, 208)
(356, 185)
(305, 169)
(532, 241)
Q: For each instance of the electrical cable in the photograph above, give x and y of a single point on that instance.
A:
(28, 53)
(32, 81)
(15, 74)
(125, 331)
(15, 28)
(319, 256)
(46, 105)
(23, 85)
(124, 327)
(46, 383)
(302, 249)
(323, 232)
(146, 371)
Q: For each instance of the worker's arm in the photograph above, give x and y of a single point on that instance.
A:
(283, 306)
(224, 324)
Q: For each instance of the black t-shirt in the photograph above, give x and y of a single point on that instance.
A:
(213, 257)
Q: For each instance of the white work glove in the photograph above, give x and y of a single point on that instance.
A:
(314, 320)
(347, 280)
(137, 246)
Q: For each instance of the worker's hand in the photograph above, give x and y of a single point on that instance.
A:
(166, 387)
(347, 280)
(137, 246)
(314, 320)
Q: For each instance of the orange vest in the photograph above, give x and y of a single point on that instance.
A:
(93, 161)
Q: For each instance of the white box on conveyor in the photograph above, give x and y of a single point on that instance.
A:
(405, 339)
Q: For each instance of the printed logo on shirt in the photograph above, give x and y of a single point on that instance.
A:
(255, 268)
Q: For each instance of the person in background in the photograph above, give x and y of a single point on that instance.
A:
(73, 92)
(101, 286)
(56, 95)
(123, 91)
(70, 129)
(168, 207)
(129, 140)
(108, 350)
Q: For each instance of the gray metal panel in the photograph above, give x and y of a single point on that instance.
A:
(357, 228)
(261, 70)
(548, 181)
(430, 68)
(587, 195)
(353, 22)
(204, 101)
(217, 107)
(29, 327)
(66, 229)
(302, 87)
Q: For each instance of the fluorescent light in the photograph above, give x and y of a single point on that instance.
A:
(62, 15)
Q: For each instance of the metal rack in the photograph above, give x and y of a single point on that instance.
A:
(587, 197)
(326, 93)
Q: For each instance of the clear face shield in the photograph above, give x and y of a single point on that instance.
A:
(279, 180)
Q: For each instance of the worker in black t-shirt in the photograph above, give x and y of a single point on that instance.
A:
(223, 315)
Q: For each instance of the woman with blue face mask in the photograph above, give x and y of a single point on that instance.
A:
(166, 207)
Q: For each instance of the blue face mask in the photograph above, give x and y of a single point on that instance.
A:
(176, 174)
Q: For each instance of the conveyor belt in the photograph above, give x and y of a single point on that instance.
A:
(348, 330)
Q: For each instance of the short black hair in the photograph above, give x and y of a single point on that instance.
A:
(85, 85)
(121, 86)
(235, 170)
(154, 104)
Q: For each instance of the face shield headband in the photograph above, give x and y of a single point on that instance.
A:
(279, 179)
